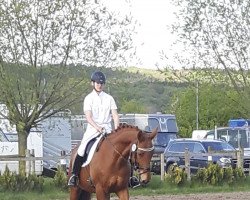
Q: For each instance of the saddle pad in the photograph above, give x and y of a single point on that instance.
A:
(91, 152)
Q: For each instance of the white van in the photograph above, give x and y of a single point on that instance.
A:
(199, 134)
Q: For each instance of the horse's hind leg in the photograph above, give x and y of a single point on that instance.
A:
(77, 193)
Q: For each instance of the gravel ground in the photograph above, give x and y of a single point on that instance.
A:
(204, 196)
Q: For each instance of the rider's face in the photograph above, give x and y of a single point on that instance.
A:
(98, 86)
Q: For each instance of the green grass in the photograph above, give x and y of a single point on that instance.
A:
(158, 187)
(155, 187)
(49, 192)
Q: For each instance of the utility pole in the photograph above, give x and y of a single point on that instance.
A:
(197, 105)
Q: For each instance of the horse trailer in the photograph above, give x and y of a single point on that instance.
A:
(48, 140)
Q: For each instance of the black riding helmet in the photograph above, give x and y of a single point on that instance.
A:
(98, 77)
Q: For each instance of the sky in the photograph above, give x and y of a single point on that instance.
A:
(154, 16)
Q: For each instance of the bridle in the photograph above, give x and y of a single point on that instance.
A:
(133, 154)
(134, 163)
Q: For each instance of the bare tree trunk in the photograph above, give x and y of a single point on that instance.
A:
(22, 146)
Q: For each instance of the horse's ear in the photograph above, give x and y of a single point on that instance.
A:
(154, 132)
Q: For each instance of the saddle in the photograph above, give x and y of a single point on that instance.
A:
(92, 147)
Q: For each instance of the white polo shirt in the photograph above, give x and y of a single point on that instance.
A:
(100, 106)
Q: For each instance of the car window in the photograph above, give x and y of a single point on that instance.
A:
(175, 147)
(162, 139)
(181, 146)
(198, 148)
(218, 146)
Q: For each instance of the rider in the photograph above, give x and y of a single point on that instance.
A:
(98, 108)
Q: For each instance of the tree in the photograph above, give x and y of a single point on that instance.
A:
(215, 34)
(40, 42)
(132, 106)
(214, 108)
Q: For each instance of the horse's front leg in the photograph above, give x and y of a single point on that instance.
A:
(101, 194)
(123, 194)
(74, 193)
(77, 193)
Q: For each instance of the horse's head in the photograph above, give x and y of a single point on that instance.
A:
(142, 153)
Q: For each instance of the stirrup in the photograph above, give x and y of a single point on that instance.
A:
(134, 182)
(73, 181)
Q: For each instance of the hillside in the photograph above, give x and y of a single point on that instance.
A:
(146, 88)
(134, 89)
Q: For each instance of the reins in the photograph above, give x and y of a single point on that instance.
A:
(108, 140)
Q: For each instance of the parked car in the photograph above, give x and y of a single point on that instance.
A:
(175, 153)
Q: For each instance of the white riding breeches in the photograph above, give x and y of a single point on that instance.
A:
(86, 138)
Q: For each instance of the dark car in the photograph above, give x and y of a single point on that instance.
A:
(175, 153)
(160, 144)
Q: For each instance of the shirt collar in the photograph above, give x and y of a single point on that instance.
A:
(100, 94)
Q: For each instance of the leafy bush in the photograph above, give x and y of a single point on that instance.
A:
(212, 175)
(60, 179)
(238, 175)
(228, 175)
(215, 175)
(16, 182)
(178, 176)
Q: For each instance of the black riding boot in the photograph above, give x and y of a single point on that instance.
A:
(73, 180)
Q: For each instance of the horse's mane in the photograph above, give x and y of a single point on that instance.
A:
(123, 126)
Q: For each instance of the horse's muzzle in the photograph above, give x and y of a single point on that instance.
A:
(144, 182)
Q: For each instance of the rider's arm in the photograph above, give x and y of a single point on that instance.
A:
(115, 118)
(88, 115)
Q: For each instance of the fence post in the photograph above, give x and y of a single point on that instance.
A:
(28, 164)
(240, 155)
(162, 167)
(63, 162)
(33, 165)
(187, 164)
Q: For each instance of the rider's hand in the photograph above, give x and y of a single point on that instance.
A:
(100, 129)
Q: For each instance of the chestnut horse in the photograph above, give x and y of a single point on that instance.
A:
(110, 169)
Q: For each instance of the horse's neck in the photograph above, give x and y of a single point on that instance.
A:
(126, 137)
(123, 141)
